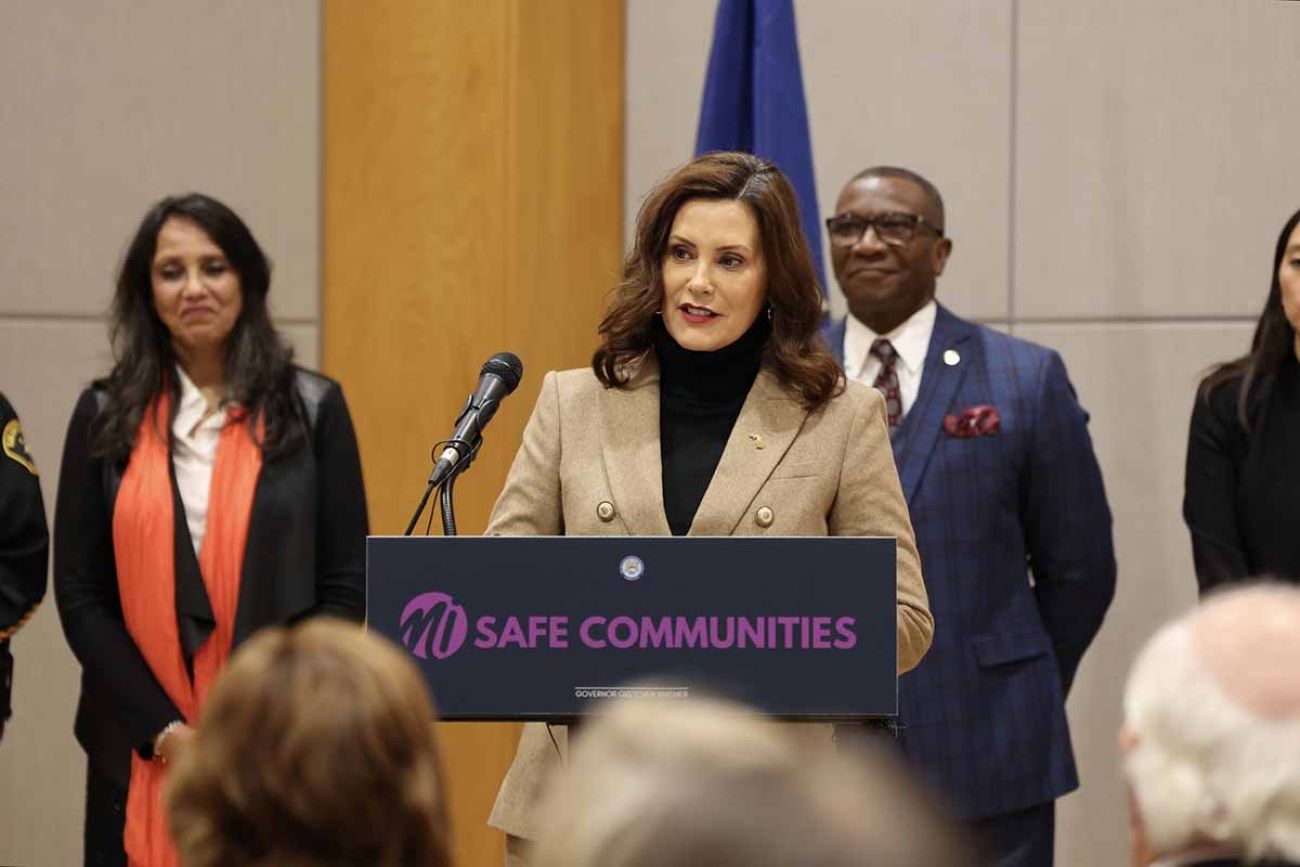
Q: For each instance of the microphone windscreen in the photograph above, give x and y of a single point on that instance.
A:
(507, 366)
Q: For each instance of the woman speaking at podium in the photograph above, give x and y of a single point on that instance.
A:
(710, 408)
(209, 488)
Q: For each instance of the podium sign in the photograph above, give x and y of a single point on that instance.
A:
(542, 628)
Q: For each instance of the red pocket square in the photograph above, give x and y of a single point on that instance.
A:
(975, 421)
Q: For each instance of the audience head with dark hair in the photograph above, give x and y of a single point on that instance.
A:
(1211, 734)
(711, 784)
(315, 749)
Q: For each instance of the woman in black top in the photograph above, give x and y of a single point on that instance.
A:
(1243, 467)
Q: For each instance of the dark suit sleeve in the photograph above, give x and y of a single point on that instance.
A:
(24, 537)
(85, 589)
(1066, 521)
(1210, 490)
(342, 522)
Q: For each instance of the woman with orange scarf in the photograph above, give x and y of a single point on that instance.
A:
(209, 488)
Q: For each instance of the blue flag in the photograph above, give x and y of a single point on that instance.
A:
(753, 100)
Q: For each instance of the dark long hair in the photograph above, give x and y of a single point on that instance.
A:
(258, 364)
(794, 351)
(1273, 343)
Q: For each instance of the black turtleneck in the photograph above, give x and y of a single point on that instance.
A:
(700, 396)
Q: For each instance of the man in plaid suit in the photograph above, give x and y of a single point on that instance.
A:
(1009, 510)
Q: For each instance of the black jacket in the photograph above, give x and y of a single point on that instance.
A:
(1239, 496)
(305, 556)
(24, 542)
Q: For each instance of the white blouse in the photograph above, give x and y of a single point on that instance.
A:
(194, 450)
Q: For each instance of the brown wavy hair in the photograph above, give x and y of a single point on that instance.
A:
(794, 350)
(314, 749)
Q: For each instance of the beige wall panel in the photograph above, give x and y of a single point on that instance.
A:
(927, 86)
(924, 85)
(1155, 153)
(1138, 382)
(305, 340)
(473, 203)
(42, 768)
(667, 54)
(108, 107)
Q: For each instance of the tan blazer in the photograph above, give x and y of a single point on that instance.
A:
(589, 465)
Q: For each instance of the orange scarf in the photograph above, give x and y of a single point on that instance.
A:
(144, 546)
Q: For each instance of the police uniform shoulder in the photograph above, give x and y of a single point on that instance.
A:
(13, 445)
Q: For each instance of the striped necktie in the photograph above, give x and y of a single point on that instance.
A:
(887, 380)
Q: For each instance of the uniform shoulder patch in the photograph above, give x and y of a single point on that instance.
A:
(15, 447)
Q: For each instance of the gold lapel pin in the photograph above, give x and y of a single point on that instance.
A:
(951, 357)
(757, 439)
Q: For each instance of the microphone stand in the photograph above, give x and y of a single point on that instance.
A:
(446, 484)
(419, 510)
(444, 498)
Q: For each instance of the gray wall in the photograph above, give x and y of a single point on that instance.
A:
(105, 108)
(1116, 173)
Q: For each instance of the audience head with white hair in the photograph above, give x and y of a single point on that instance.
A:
(704, 782)
(1211, 732)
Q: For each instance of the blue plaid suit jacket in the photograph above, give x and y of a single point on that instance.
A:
(983, 715)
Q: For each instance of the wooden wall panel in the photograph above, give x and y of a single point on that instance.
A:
(473, 159)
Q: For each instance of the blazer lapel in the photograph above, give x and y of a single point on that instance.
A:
(629, 419)
(952, 352)
(768, 423)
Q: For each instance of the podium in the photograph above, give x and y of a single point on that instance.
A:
(543, 628)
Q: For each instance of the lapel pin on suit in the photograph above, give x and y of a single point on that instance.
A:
(951, 357)
(757, 440)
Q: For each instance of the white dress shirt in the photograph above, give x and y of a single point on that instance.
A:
(194, 450)
(911, 341)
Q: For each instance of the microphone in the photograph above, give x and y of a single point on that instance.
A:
(498, 378)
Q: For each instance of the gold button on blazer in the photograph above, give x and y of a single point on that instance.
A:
(830, 473)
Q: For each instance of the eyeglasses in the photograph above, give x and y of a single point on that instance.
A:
(894, 228)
